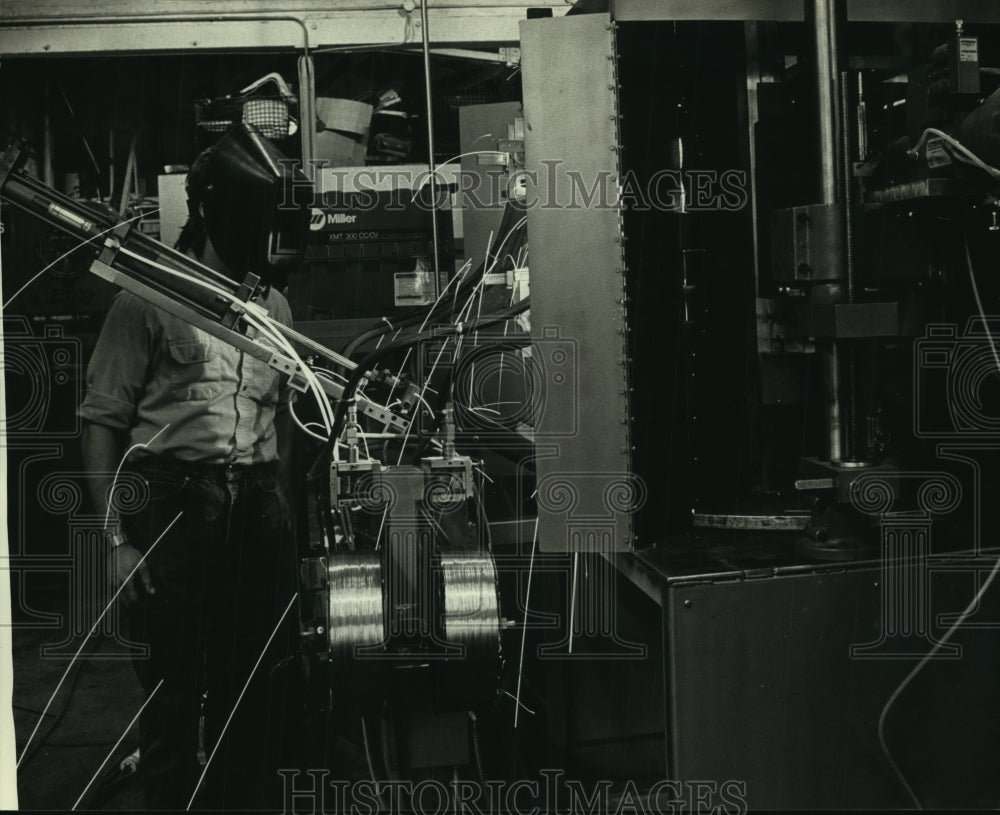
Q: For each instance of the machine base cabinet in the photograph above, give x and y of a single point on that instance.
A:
(767, 691)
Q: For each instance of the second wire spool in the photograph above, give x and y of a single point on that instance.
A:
(470, 619)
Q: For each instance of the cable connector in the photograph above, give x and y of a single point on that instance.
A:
(352, 433)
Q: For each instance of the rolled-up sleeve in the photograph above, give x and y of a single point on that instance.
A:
(117, 372)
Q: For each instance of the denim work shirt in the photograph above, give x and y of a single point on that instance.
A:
(182, 392)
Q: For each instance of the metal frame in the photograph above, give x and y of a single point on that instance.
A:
(577, 282)
(793, 11)
(58, 27)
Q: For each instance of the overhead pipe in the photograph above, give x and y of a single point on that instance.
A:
(432, 168)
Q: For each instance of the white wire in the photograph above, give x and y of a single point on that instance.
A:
(520, 704)
(462, 317)
(399, 373)
(449, 161)
(520, 222)
(459, 276)
(979, 303)
(111, 752)
(524, 627)
(259, 319)
(90, 633)
(265, 324)
(423, 390)
(239, 699)
(198, 281)
(381, 526)
(326, 411)
(71, 251)
(468, 264)
(572, 600)
(333, 376)
(939, 644)
(371, 764)
(969, 156)
(118, 471)
(917, 669)
(479, 288)
(304, 427)
(456, 281)
(425, 403)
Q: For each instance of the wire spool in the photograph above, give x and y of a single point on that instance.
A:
(471, 621)
(355, 610)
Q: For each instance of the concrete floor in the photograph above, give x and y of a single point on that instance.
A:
(91, 711)
(88, 711)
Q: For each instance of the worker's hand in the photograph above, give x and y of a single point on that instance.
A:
(122, 560)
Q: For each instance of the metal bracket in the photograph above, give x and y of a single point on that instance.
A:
(243, 294)
(113, 243)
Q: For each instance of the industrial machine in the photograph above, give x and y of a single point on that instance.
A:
(783, 333)
(371, 254)
(398, 572)
(719, 517)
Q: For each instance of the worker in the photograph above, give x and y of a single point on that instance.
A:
(211, 601)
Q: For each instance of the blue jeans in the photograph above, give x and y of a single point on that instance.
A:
(223, 574)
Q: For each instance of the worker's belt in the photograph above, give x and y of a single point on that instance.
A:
(220, 472)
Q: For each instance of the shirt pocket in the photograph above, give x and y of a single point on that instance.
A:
(194, 370)
(260, 381)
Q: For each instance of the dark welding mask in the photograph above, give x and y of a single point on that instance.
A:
(254, 203)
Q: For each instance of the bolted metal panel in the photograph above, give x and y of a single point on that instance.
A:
(586, 491)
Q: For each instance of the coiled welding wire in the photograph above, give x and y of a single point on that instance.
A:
(472, 611)
(356, 615)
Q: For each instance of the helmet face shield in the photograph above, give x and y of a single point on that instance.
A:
(255, 204)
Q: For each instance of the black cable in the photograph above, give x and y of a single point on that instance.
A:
(364, 367)
(445, 307)
(369, 361)
(509, 343)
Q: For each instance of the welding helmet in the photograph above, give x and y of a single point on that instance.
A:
(254, 203)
